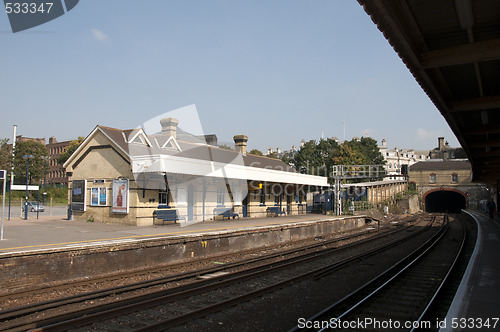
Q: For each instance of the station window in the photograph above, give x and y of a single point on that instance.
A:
(220, 196)
(263, 196)
(98, 196)
(432, 178)
(454, 178)
(163, 197)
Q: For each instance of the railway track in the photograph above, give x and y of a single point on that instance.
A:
(400, 298)
(169, 273)
(219, 289)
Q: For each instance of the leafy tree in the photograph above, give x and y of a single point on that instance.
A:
(369, 149)
(36, 166)
(5, 156)
(318, 158)
(348, 155)
(273, 155)
(256, 152)
(73, 145)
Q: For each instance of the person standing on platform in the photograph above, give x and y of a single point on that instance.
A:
(491, 208)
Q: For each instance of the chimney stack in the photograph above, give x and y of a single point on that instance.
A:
(441, 143)
(240, 143)
(169, 126)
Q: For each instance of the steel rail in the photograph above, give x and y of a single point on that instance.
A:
(444, 281)
(119, 309)
(376, 282)
(13, 313)
(420, 252)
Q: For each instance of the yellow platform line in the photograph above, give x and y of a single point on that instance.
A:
(125, 237)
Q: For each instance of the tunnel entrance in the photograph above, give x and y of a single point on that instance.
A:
(444, 201)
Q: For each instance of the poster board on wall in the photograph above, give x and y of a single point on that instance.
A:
(120, 196)
(78, 195)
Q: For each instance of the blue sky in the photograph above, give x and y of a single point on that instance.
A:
(277, 71)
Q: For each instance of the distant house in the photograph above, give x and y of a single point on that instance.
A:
(124, 176)
(444, 151)
(55, 171)
(396, 159)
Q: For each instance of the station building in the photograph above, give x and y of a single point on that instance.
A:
(124, 176)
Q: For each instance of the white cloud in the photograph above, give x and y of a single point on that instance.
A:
(99, 35)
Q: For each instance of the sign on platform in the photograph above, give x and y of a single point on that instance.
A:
(23, 187)
(2, 175)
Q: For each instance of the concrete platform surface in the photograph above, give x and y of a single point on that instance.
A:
(50, 232)
(477, 302)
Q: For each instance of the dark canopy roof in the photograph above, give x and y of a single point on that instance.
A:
(452, 48)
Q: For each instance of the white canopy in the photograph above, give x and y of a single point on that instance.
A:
(162, 163)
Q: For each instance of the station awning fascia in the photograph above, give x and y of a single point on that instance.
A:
(189, 166)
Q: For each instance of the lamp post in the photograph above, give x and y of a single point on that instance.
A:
(45, 158)
(27, 157)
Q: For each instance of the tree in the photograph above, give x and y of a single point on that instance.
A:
(256, 152)
(318, 158)
(37, 164)
(347, 155)
(5, 156)
(369, 149)
(73, 145)
(273, 155)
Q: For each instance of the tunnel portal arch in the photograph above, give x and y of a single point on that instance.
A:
(444, 200)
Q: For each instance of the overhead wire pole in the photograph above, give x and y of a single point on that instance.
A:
(341, 172)
(3, 176)
(12, 165)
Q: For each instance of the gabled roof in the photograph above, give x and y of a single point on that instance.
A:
(159, 146)
(440, 165)
(162, 154)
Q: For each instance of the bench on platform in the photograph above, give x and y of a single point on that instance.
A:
(275, 210)
(166, 215)
(225, 213)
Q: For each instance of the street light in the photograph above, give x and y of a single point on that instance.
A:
(45, 158)
(28, 157)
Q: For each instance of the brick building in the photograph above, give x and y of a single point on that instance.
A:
(56, 173)
(446, 184)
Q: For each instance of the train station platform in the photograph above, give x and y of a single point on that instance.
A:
(476, 303)
(52, 250)
(56, 232)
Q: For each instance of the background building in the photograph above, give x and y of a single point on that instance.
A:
(56, 174)
(444, 151)
(396, 158)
